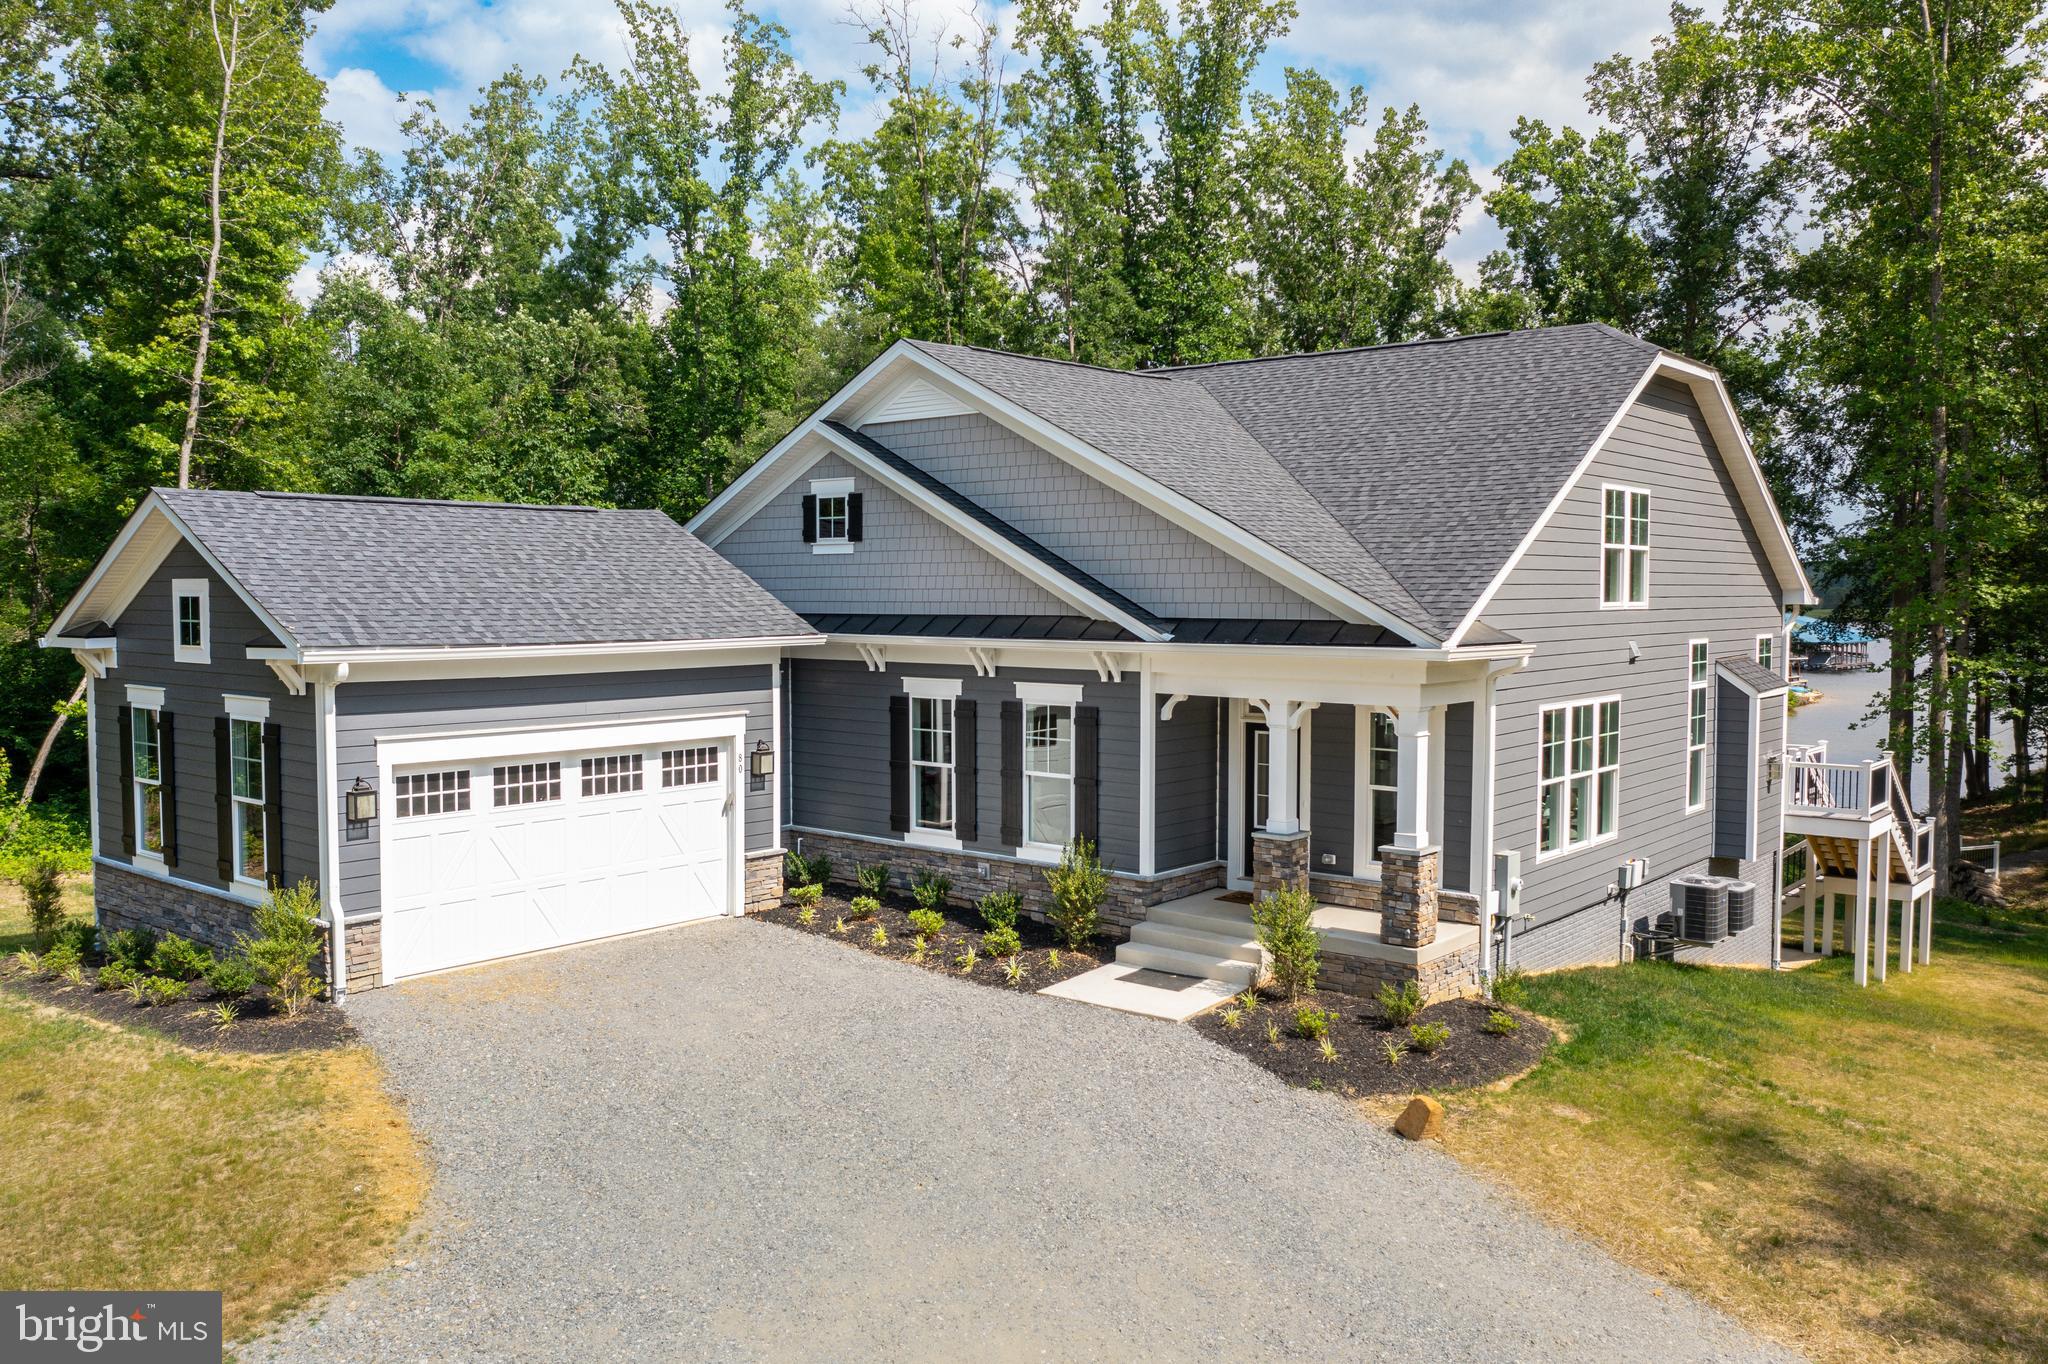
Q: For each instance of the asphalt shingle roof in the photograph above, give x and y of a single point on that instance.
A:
(1752, 674)
(372, 572)
(1408, 473)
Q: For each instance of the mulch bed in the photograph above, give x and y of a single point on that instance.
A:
(963, 930)
(262, 1029)
(1471, 1056)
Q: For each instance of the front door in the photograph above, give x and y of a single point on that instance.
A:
(1258, 790)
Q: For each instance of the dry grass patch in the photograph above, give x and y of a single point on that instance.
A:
(135, 1163)
(1862, 1173)
(14, 909)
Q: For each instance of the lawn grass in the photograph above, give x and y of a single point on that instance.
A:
(1860, 1173)
(14, 910)
(135, 1164)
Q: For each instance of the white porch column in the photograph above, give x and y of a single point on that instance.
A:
(1926, 926)
(1813, 892)
(1283, 804)
(1859, 927)
(1412, 800)
(1881, 903)
(1827, 930)
(1907, 904)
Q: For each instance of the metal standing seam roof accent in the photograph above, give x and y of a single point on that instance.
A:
(1278, 633)
(369, 572)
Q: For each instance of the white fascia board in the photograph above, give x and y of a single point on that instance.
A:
(494, 653)
(129, 531)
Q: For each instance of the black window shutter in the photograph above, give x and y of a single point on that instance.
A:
(966, 783)
(127, 728)
(1087, 774)
(1013, 773)
(853, 517)
(899, 763)
(224, 799)
(167, 773)
(810, 519)
(273, 802)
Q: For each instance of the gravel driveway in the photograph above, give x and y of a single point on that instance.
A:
(732, 1141)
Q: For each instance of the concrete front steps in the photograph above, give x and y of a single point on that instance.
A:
(1207, 942)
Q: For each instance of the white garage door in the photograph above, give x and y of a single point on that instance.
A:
(516, 854)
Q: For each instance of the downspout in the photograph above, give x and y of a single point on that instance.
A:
(330, 887)
(1486, 886)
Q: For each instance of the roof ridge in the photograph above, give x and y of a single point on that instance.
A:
(1411, 343)
(1156, 373)
(380, 500)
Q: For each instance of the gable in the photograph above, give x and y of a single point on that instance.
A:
(134, 563)
(906, 561)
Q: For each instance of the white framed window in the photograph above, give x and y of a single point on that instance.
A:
(1696, 725)
(1580, 784)
(834, 501)
(1767, 651)
(248, 792)
(432, 793)
(690, 766)
(146, 757)
(931, 763)
(526, 783)
(1624, 547)
(614, 774)
(1383, 768)
(1048, 774)
(191, 621)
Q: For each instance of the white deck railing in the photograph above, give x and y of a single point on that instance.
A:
(1863, 790)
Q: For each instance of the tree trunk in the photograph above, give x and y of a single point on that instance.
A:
(35, 769)
(1946, 727)
(1905, 655)
(230, 55)
(1980, 743)
(2022, 756)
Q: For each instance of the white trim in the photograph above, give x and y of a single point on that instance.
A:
(934, 838)
(775, 750)
(149, 698)
(495, 653)
(1050, 693)
(1629, 493)
(1706, 744)
(255, 708)
(1564, 812)
(1148, 763)
(909, 399)
(548, 740)
(832, 547)
(200, 589)
(832, 487)
(92, 761)
(324, 772)
(1769, 637)
(933, 688)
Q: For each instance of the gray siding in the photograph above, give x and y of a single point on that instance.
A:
(1331, 806)
(366, 710)
(906, 561)
(1136, 551)
(1734, 801)
(1456, 836)
(839, 717)
(1186, 792)
(192, 694)
(1708, 579)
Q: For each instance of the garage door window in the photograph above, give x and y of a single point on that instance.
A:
(612, 775)
(433, 793)
(526, 783)
(689, 766)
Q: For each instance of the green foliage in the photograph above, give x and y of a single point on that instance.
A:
(872, 878)
(930, 888)
(1327, 1049)
(806, 894)
(1312, 1022)
(1399, 1004)
(1428, 1037)
(42, 891)
(231, 977)
(1500, 1023)
(880, 937)
(1511, 987)
(285, 946)
(27, 959)
(224, 1013)
(1001, 942)
(966, 961)
(84, 937)
(1294, 951)
(115, 975)
(797, 870)
(928, 922)
(60, 959)
(1013, 971)
(179, 959)
(863, 907)
(807, 915)
(1079, 885)
(1392, 1049)
(165, 990)
(999, 909)
(132, 947)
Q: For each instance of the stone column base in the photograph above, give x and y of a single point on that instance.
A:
(1408, 896)
(763, 882)
(1279, 861)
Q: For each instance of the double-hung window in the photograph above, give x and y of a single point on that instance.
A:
(146, 751)
(1696, 726)
(1048, 773)
(1767, 651)
(1382, 778)
(191, 621)
(832, 523)
(1624, 547)
(931, 763)
(245, 769)
(1580, 773)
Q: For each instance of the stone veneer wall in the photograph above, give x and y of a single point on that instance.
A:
(1408, 896)
(1452, 906)
(1449, 976)
(362, 944)
(764, 882)
(1125, 907)
(1278, 860)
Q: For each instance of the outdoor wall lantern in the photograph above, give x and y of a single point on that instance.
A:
(362, 803)
(1774, 767)
(762, 763)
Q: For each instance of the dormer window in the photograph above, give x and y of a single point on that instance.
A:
(191, 621)
(832, 516)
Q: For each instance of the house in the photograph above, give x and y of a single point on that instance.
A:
(481, 729)
(1481, 641)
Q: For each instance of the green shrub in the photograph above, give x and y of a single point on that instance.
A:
(179, 959)
(999, 909)
(115, 976)
(132, 947)
(1511, 987)
(873, 878)
(61, 959)
(931, 888)
(880, 937)
(919, 949)
(1427, 1037)
(1313, 1023)
(1013, 971)
(46, 832)
(231, 977)
(1282, 919)
(1001, 942)
(1393, 1049)
(807, 915)
(164, 990)
(863, 907)
(224, 1013)
(42, 890)
(965, 961)
(27, 959)
(285, 945)
(1078, 885)
(137, 990)
(1327, 1048)
(1399, 1006)
(1500, 1024)
(797, 870)
(83, 936)
(807, 894)
(928, 922)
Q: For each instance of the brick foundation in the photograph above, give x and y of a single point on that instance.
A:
(1129, 898)
(1448, 977)
(1279, 861)
(1408, 896)
(764, 882)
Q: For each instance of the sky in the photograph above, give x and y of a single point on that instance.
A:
(1472, 65)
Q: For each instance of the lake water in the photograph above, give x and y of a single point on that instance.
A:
(1842, 718)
